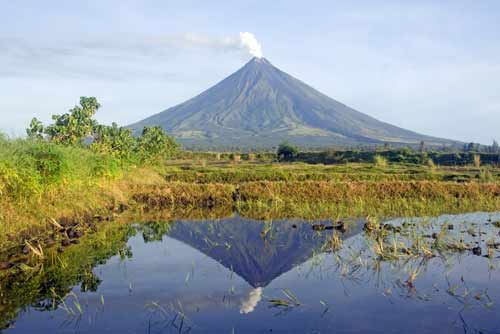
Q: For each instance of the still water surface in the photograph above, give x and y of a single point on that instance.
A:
(237, 275)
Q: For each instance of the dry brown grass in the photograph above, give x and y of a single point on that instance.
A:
(184, 195)
(347, 191)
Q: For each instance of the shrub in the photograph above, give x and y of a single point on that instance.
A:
(114, 140)
(18, 183)
(105, 166)
(380, 161)
(155, 143)
(49, 162)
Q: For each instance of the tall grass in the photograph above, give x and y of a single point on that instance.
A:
(40, 180)
(29, 169)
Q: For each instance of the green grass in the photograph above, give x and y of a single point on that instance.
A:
(226, 172)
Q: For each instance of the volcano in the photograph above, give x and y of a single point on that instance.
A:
(261, 106)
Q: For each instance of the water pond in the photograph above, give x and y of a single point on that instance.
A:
(236, 275)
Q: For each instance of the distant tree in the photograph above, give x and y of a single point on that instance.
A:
(71, 128)
(286, 151)
(155, 143)
(495, 148)
(35, 129)
(422, 146)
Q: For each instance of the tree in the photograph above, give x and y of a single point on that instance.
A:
(116, 141)
(71, 128)
(287, 151)
(35, 129)
(155, 143)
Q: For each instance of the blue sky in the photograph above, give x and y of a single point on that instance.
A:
(429, 66)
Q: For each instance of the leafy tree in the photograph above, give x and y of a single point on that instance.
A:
(35, 129)
(287, 151)
(116, 141)
(155, 143)
(71, 128)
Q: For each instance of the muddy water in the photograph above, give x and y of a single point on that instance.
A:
(243, 276)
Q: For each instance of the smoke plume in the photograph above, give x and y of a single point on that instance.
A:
(249, 42)
(246, 41)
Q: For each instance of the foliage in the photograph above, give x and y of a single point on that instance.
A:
(18, 183)
(396, 156)
(71, 128)
(48, 161)
(380, 161)
(35, 129)
(105, 166)
(115, 141)
(287, 151)
(155, 143)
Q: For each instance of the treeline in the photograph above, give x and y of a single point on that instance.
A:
(290, 153)
(393, 156)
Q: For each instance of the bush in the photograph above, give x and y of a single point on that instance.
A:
(115, 141)
(155, 143)
(49, 162)
(105, 166)
(287, 151)
(18, 183)
(380, 161)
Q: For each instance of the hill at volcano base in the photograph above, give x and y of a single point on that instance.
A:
(260, 106)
